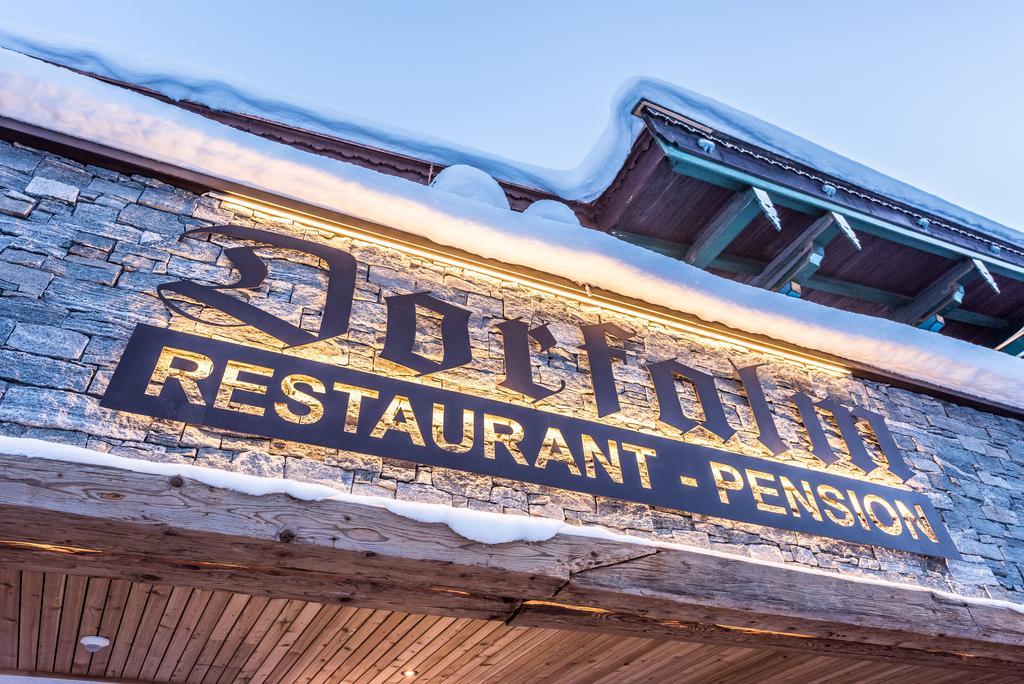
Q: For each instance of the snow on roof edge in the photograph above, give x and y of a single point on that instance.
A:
(60, 100)
(584, 183)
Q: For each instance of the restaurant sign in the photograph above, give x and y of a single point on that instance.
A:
(198, 380)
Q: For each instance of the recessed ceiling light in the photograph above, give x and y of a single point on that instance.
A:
(94, 643)
(409, 673)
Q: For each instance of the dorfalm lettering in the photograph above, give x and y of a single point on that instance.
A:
(194, 379)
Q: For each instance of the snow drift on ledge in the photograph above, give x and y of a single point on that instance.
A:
(60, 100)
(485, 527)
(586, 182)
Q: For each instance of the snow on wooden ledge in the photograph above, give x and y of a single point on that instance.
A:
(484, 527)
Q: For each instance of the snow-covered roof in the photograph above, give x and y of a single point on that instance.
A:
(584, 183)
(56, 99)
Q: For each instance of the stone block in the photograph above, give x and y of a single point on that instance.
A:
(20, 309)
(46, 187)
(61, 410)
(403, 471)
(766, 552)
(152, 453)
(22, 258)
(411, 491)
(974, 573)
(103, 351)
(621, 515)
(153, 220)
(89, 214)
(30, 281)
(459, 482)
(976, 548)
(1000, 514)
(383, 488)
(509, 498)
(30, 369)
(65, 171)
(214, 215)
(59, 436)
(169, 199)
(548, 510)
(109, 201)
(94, 298)
(100, 381)
(127, 190)
(96, 323)
(193, 436)
(573, 501)
(18, 158)
(93, 270)
(310, 470)
(11, 205)
(49, 208)
(47, 340)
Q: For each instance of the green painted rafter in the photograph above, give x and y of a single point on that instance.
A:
(715, 173)
(752, 267)
(802, 257)
(729, 222)
(929, 307)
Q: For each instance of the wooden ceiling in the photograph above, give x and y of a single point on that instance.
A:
(663, 205)
(165, 633)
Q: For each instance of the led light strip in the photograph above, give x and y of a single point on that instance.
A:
(581, 293)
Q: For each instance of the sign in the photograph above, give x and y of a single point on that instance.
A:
(185, 377)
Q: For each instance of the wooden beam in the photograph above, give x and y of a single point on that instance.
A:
(802, 257)
(1014, 343)
(669, 248)
(100, 521)
(751, 267)
(716, 173)
(945, 294)
(730, 222)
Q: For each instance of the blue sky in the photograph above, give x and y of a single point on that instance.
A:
(929, 92)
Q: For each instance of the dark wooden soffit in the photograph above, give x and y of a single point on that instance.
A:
(767, 165)
(881, 264)
(100, 521)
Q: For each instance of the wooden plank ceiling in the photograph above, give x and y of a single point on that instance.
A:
(163, 633)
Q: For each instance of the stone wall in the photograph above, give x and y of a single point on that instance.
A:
(82, 250)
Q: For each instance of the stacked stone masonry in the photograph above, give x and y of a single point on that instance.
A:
(82, 250)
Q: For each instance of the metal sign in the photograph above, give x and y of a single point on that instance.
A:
(185, 377)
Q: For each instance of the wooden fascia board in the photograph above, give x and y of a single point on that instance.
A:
(101, 521)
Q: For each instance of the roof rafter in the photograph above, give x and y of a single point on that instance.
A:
(716, 173)
(730, 222)
(752, 267)
(801, 258)
(927, 309)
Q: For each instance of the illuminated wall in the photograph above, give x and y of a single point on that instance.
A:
(82, 260)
